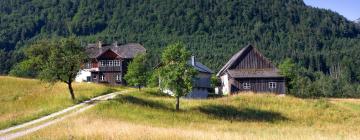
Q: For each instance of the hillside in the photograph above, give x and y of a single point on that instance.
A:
(317, 39)
(246, 116)
(22, 99)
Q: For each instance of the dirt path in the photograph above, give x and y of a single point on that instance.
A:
(40, 123)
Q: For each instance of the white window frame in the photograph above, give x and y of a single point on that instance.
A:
(88, 65)
(118, 77)
(111, 63)
(272, 85)
(102, 63)
(246, 85)
(116, 62)
(102, 77)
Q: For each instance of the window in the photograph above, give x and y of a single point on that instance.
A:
(88, 65)
(272, 85)
(117, 63)
(246, 85)
(110, 63)
(102, 63)
(102, 77)
(118, 77)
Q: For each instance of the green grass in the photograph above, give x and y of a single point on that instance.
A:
(22, 99)
(267, 109)
(248, 116)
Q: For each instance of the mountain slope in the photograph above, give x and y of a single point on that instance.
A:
(317, 39)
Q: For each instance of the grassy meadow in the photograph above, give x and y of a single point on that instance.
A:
(22, 99)
(149, 115)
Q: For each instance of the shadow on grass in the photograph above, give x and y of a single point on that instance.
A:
(234, 114)
(154, 93)
(142, 102)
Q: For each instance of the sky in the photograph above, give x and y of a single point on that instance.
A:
(348, 8)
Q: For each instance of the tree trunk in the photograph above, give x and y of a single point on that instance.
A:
(139, 87)
(71, 91)
(177, 103)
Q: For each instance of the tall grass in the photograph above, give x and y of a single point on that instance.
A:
(149, 115)
(22, 100)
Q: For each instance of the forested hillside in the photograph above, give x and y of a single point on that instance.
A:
(316, 39)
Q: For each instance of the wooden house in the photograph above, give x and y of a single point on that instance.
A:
(108, 62)
(249, 70)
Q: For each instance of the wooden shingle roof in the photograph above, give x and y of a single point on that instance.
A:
(248, 73)
(200, 67)
(124, 51)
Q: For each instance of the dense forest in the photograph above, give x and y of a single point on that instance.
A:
(323, 44)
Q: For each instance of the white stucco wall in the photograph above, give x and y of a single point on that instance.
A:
(82, 75)
(225, 87)
(167, 91)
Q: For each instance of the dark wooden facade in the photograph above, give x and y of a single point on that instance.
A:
(258, 85)
(249, 70)
(109, 62)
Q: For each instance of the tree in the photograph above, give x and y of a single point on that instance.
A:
(288, 69)
(137, 71)
(176, 75)
(63, 63)
(35, 56)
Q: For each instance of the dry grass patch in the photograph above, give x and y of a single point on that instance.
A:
(22, 99)
(149, 115)
(88, 126)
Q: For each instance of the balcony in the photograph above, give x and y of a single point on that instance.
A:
(110, 65)
(110, 68)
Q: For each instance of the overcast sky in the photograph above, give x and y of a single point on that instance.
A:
(348, 8)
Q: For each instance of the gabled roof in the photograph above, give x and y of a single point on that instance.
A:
(247, 73)
(124, 51)
(200, 67)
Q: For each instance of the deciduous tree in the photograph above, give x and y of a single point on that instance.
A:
(137, 71)
(175, 74)
(64, 63)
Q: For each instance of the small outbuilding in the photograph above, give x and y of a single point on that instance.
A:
(202, 81)
(249, 70)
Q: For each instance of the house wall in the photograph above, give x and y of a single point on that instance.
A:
(82, 76)
(200, 88)
(252, 60)
(110, 78)
(203, 80)
(198, 93)
(259, 85)
(225, 84)
(110, 72)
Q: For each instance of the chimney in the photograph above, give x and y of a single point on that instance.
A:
(99, 44)
(115, 44)
(193, 60)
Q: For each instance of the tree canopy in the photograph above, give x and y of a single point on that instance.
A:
(137, 71)
(317, 40)
(175, 74)
(53, 61)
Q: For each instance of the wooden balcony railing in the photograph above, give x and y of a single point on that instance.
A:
(113, 68)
